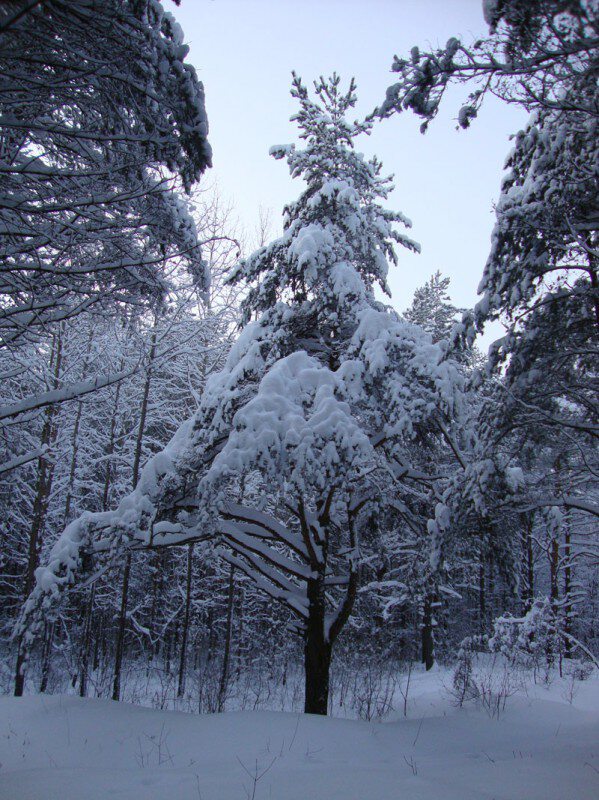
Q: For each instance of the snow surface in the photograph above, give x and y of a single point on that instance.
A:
(542, 747)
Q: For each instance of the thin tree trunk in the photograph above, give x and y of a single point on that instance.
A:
(167, 650)
(527, 569)
(482, 610)
(118, 660)
(47, 652)
(530, 566)
(224, 676)
(97, 640)
(86, 645)
(71, 483)
(240, 630)
(185, 634)
(75, 440)
(45, 473)
(567, 592)
(427, 634)
(143, 411)
(111, 442)
(553, 569)
(491, 589)
(120, 642)
(157, 568)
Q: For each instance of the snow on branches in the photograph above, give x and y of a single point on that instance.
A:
(101, 120)
(541, 275)
(313, 421)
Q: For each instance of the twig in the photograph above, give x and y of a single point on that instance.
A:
(418, 733)
(255, 776)
(294, 733)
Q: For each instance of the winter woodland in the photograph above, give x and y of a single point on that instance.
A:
(233, 474)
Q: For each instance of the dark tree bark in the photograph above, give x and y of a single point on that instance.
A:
(428, 658)
(318, 639)
(527, 593)
(120, 641)
(317, 652)
(87, 641)
(567, 592)
(553, 570)
(47, 651)
(482, 600)
(185, 633)
(224, 676)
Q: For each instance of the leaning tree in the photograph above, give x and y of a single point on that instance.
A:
(313, 432)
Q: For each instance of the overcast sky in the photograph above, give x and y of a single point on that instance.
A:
(446, 181)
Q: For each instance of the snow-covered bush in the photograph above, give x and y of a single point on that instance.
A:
(531, 640)
(463, 685)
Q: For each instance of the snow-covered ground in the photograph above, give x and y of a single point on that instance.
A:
(543, 746)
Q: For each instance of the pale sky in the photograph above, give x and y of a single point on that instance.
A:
(446, 181)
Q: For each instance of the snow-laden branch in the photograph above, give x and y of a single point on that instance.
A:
(568, 501)
(294, 600)
(18, 461)
(63, 395)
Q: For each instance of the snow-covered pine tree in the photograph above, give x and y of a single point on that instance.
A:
(541, 275)
(432, 308)
(310, 431)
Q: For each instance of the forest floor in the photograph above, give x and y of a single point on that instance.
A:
(543, 745)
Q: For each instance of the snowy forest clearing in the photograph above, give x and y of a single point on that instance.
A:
(543, 746)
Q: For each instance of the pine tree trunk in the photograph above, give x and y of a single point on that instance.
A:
(317, 652)
(527, 593)
(427, 635)
(120, 641)
(567, 593)
(317, 663)
(86, 645)
(224, 676)
(553, 570)
(185, 634)
(482, 600)
(47, 652)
